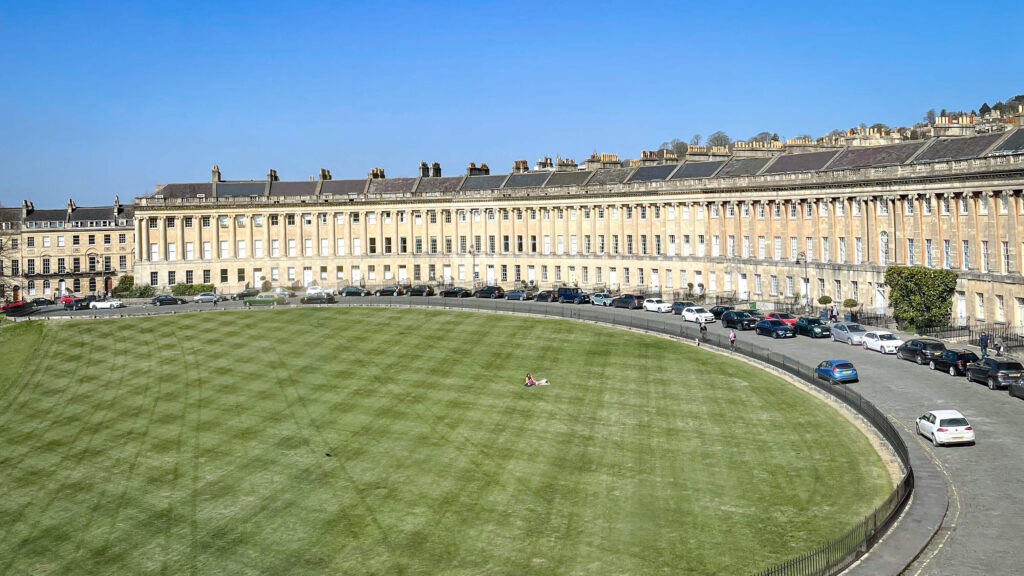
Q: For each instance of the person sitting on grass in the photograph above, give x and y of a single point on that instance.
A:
(531, 382)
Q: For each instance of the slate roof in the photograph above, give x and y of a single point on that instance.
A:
(1012, 145)
(297, 188)
(392, 185)
(806, 162)
(876, 155)
(343, 187)
(568, 178)
(434, 185)
(609, 176)
(743, 167)
(958, 148)
(653, 173)
(244, 189)
(491, 182)
(185, 190)
(10, 214)
(83, 213)
(52, 215)
(528, 180)
(698, 169)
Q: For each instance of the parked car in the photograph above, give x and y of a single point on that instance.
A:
(208, 298)
(602, 299)
(945, 427)
(881, 341)
(836, 371)
(920, 350)
(13, 304)
(953, 361)
(518, 294)
(67, 298)
(783, 316)
(630, 301)
(246, 293)
(738, 319)
(166, 300)
(353, 291)
(490, 292)
(1017, 388)
(389, 291)
(318, 298)
(759, 315)
(572, 295)
(657, 305)
(420, 290)
(41, 302)
(546, 296)
(996, 372)
(852, 334)
(455, 292)
(314, 289)
(677, 306)
(284, 292)
(105, 304)
(697, 314)
(812, 327)
(717, 311)
(266, 299)
(774, 328)
(81, 303)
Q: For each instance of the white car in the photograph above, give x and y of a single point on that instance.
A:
(697, 314)
(310, 291)
(881, 341)
(945, 427)
(657, 305)
(105, 304)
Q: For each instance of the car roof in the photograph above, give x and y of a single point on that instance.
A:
(946, 413)
(879, 332)
(839, 361)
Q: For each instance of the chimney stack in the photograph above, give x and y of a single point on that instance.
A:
(27, 208)
(424, 169)
(376, 173)
(216, 173)
(435, 170)
(71, 207)
(325, 174)
(272, 175)
(117, 206)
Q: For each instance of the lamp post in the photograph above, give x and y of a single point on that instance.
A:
(472, 271)
(801, 256)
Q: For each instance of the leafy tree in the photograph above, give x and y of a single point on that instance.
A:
(850, 303)
(775, 137)
(985, 109)
(879, 126)
(719, 139)
(124, 286)
(920, 297)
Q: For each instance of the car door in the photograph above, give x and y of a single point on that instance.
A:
(822, 369)
(926, 424)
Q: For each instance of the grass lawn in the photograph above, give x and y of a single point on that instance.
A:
(196, 444)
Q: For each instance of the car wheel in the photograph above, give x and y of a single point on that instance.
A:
(775, 335)
(931, 365)
(724, 325)
(377, 293)
(833, 337)
(991, 384)
(952, 371)
(934, 441)
(967, 373)
(919, 360)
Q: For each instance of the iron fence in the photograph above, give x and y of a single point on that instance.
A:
(829, 558)
(1010, 336)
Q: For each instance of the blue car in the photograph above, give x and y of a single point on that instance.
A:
(836, 371)
(774, 328)
(518, 294)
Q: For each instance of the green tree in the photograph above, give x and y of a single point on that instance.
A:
(125, 285)
(920, 297)
(879, 126)
(825, 300)
(985, 109)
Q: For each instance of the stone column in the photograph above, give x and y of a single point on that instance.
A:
(162, 247)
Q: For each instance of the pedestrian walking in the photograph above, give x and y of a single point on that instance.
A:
(997, 344)
(703, 332)
(732, 340)
(983, 343)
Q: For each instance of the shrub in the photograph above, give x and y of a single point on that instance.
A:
(920, 297)
(850, 303)
(825, 300)
(190, 289)
(126, 288)
(265, 287)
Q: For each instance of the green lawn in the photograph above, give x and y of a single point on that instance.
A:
(195, 444)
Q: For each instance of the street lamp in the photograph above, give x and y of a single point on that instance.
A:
(472, 271)
(801, 256)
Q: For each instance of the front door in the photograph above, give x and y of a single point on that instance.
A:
(961, 308)
(402, 274)
(307, 276)
(490, 274)
(743, 293)
(357, 276)
(446, 272)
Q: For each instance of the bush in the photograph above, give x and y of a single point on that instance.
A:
(825, 300)
(850, 303)
(920, 297)
(190, 289)
(265, 287)
(126, 288)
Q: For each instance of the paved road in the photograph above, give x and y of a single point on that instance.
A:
(986, 512)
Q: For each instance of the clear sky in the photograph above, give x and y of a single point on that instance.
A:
(99, 99)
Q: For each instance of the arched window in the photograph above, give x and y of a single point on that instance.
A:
(883, 247)
(46, 286)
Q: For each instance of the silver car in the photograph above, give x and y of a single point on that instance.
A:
(852, 334)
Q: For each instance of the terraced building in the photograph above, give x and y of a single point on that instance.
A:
(772, 222)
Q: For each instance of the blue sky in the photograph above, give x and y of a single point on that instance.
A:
(99, 99)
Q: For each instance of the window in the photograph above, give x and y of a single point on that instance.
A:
(984, 256)
(257, 221)
(963, 206)
(928, 253)
(122, 263)
(778, 247)
(240, 221)
(154, 279)
(966, 251)
(979, 306)
(207, 250)
(762, 247)
(908, 206)
(983, 204)
(205, 221)
(883, 248)
(947, 254)
(944, 206)
(307, 247)
(121, 239)
(840, 208)
(222, 221)
(241, 274)
(1004, 249)
(223, 248)
(882, 207)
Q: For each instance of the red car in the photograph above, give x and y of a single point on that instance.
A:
(68, 298)
(14, 304)
(787, 318)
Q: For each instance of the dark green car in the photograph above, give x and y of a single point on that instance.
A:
(812, 327)
(266, 299)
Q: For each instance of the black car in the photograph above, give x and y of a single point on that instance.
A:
(353, 291)
(41, 302)
(1017, 388)
(546, 296)
(420, 290)
(490, 292)
(630, 301)
(996, 372)
(920, 350)
(389, 291)
(953, 361)
(247, 293)
(455, 292)
(166, 300)
(774, 328)
(717, 311)
(677, 307)
(80, 303)
(738, 319)
(318, 298)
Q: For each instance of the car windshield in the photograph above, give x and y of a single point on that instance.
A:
(855, 328)
(741, 315)
(657, 301)
(954, 422)
(887, 337)
(844, 366)
(812, 321)
(968, 356)
(784, 316)
(934, 346)
(776, 323)
(700, 311)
